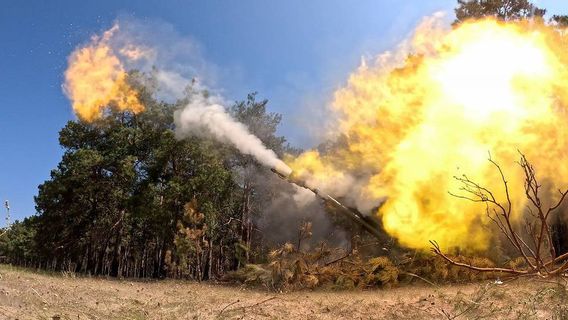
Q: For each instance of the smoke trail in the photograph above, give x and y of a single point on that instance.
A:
(204, 117)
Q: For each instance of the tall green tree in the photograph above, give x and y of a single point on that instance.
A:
(114, 203)
(17, 243)
(251, 176)
(560, 20)
(500, 9)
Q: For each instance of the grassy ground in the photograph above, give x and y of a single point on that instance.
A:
(30, 295)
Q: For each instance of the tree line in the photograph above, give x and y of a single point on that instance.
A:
(129, 199)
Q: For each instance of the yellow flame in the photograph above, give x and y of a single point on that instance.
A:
(95, 78)
(484, 86)
(314, 171)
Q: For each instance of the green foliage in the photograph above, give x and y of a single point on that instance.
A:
(560, 20)
(17, 243)
(500, 9)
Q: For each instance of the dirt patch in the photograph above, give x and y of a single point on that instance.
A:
(29, 295)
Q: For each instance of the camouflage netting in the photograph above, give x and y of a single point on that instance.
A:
(331, 268)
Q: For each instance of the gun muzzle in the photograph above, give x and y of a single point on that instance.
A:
(281, 169)
(280, 175)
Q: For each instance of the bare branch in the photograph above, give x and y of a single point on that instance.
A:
(562, 196)
(536, 224)
(509, 205)
(437, 251)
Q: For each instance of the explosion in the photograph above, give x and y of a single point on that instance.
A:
(96, 78)
(408, 129)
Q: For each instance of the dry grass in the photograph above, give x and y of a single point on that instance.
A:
(30, 295)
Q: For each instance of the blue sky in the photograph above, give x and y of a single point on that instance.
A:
(293, 52)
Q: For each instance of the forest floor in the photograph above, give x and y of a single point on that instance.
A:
(26, 294)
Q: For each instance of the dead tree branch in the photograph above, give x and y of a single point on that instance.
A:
(436, 249)
(538, 251)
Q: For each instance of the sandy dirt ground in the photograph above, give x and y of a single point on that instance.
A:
(31, 295)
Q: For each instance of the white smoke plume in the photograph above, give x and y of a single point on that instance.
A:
(204, 117)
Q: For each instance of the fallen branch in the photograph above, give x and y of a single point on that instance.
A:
(337, 260)
(539, 254)
(249, 306)
(259, 303)
(42, 299)
(437, 251)
(421, 278)
(230, 304)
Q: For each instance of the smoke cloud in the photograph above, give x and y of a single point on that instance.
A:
(204, 117)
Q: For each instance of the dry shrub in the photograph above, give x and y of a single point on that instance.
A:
(184, 260)
(324, 267)
(334, 268)
(253, 275)
(291, 269)
(382, 272)
(520, 263)
(458, 274)
(427, 266)
(432, 268)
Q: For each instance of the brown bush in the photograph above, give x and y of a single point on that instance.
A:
(436, 270)
(290, 269)
(382, 272)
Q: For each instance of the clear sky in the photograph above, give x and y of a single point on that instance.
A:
(293, 52)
